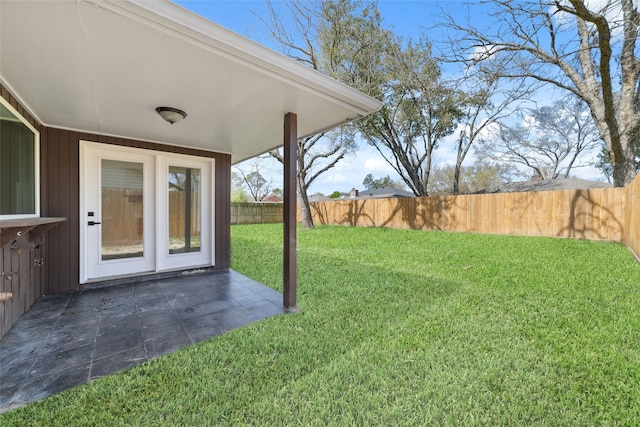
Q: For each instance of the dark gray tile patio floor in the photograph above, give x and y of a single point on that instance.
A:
(65, 340)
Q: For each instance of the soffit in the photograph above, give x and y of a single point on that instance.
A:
(104, 66)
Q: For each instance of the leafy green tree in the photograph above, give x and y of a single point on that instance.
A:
(346, 39)
(257, 185)
(238, 193)
(420, 110)
(371, 182)
(239, 196)
(335, 195)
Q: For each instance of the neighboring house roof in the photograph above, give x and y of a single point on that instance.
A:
(382, 193)
(322, 199)
(370, 193)
(272, 199)
(103, 66)
(547, 185)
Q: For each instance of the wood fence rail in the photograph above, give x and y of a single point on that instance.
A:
(125, 203)
(256, 213)
(631, 233)
(128, 204)
(599, 214)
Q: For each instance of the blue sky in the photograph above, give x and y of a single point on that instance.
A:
(408, 18)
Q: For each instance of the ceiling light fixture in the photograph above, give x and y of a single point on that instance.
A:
(172, 115)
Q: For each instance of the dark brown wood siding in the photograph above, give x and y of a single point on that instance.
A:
(62, 166)
(15, 104)
(23, 277)
(222, 218)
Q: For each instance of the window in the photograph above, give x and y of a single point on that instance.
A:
(19, 175)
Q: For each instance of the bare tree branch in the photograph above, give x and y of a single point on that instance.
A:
(569, 44)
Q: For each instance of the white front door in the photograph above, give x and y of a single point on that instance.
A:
(143, 211)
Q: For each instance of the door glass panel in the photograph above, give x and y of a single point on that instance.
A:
(184, 210)
(122, 210)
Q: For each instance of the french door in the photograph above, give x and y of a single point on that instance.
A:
(184, 212)
(143, 211)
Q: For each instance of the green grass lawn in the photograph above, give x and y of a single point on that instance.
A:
(400, 328)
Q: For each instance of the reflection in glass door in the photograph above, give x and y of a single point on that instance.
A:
(184, 209)
(122, 213)
(184, 201)
(117, 211)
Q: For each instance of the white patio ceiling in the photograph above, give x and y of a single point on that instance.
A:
(104, 66)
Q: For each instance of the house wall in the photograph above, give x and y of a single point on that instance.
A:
(60, 156)
(23, 277)
(59, 249)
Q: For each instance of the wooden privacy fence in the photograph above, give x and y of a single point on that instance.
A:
(631, 232)
(119, 203)
(125, 203)
(256, 213)
(178, 213)
(598, 214)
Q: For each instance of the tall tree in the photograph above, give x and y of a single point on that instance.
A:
(419, 111)
(586, 48)
(338, 38)
(604, 163)
(371, 182)
(316, 155)
(252, 179)
(482, 175)
(258, 186)
(550, 142)
(488, 100)
(238, 193)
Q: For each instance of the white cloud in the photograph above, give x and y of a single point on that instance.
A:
(377, 166)
(612, 11)
(345, 164)
(589, 172)
(335, 178)
(481, 53)
(446, 154)
(529, 122)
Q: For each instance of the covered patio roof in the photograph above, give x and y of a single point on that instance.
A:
(104, 66)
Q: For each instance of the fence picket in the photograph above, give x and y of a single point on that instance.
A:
(596, 214)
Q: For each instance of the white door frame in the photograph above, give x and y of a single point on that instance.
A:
(156, 255)
(165, 261)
